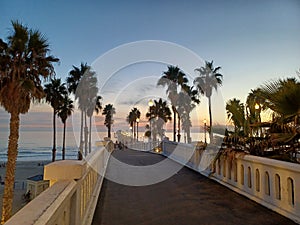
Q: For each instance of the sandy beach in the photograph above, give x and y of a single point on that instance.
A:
(24, 170)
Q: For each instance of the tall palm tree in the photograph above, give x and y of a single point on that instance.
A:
(187, 100)
(75, 75)
(86, 94)
(137, 116)
(24, 62)
(159, 114)
(96, 106)
(209, 79)
(55, 91)
(171, 79)
(132, 117)
(282, 96)
(254, 105)
(64, 111)
(235, 112)
(109, 111)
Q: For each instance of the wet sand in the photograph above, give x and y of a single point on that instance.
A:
(24, 170)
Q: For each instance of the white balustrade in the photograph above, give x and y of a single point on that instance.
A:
(143, 146)
(73, 193)
(269, 182)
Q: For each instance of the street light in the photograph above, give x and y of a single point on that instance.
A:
(204, 121)
(150, 104)
(131, 132)
(137, 128)
(257, 113)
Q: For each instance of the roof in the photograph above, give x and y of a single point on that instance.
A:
(36, 177)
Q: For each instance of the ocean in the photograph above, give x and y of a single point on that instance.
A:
(37, 145)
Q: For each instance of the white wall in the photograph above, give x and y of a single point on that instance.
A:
(272, 183)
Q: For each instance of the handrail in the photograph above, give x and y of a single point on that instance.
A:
(269, 182)
(73, 193)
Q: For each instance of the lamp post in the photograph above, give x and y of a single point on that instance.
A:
(150, 104)
(204, 121)
(137, 129)
(257, 112)
(131, 132)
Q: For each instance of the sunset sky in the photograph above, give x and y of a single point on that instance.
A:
(253, 41)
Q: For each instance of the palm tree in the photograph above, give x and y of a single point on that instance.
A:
(254, 106)
(172, 78)
(24, 61)
(282, 96)
(159, 114)
(186, 103)
(86, 94)
(96, 106)
(132, 117)
(109, 111)
(235, 112)
(55, 92)
(75, 75)
(137, 116)
(64, 111)
(209, 79)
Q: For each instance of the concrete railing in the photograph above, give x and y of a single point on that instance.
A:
(73, 193)
(143, 146)
(269, 182)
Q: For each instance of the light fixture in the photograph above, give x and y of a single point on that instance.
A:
(150, 103)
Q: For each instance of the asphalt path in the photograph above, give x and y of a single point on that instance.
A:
(186, 198)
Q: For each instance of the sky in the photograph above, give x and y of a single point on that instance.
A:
(253, 41)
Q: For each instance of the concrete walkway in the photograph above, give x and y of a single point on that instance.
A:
(186, 198)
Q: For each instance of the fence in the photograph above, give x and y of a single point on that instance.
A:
(73, 193)
(269, 182)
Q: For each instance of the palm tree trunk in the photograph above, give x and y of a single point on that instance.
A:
(85, 136)
(178, 135)
(188, 134)
(80, 152)
(12, 153)
(134, 132)
(174, 125)
(108, 131)
(90, 136)
(54, 136)
(210, 120)
(64, 142)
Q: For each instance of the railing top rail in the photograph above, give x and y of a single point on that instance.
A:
(42, 207)
(271, 162)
